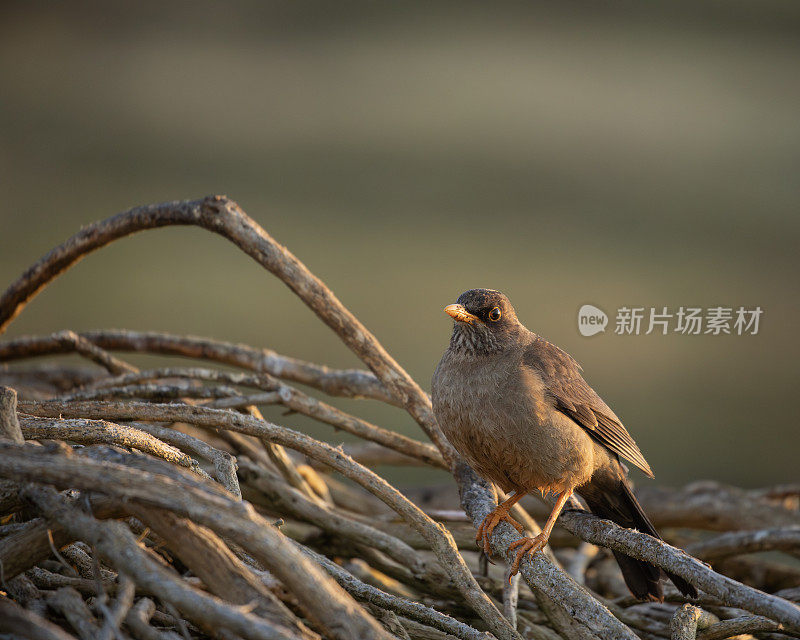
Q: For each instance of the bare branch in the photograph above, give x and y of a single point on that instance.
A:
(70, 604)
(125, 594)
(85, 431)
(511, 598)
(348, 383)
(714, 506)
(224, 217)
(71, 341)
(371, 454)
(580, 561)
(25, 624)
(738, 627)
(741, 542)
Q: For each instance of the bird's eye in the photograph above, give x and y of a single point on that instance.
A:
(494, 314)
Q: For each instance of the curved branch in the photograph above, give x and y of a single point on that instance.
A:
(349, 383)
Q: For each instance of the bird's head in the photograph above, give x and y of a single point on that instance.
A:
(485, 321)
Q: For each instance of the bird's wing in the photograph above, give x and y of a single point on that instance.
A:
(575, 398)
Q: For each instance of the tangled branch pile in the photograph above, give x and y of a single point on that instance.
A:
(160, 504)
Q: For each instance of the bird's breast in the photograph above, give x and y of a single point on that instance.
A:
(497, 415)
(487, 395)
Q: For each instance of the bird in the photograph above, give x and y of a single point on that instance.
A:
(518, 409)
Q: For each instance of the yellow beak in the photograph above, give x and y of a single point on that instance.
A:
(460, 314)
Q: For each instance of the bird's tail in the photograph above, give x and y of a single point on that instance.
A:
(619, 505)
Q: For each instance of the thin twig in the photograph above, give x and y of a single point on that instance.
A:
(580, 561)
(71, 341)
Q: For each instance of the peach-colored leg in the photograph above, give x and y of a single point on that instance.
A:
(499, 514)
(532, 545)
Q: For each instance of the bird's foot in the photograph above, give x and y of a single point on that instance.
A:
(523, 547)
(497, 516)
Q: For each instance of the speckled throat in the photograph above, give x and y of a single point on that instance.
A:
(471, 340)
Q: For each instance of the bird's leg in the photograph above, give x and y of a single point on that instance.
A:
(499, 514)
(532, 545)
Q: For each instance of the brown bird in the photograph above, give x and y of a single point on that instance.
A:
(519, 411)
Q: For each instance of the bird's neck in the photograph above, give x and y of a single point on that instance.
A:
(468, 342)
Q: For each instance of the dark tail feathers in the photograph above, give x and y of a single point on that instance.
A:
(622, 507)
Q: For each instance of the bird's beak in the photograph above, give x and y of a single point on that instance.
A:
(460, 314)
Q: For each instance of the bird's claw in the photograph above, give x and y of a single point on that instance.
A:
(523, 547)
(490, 522)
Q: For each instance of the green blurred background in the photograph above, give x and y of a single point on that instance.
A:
(636, 154)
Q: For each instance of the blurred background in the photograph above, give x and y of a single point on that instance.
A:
(641, 154)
